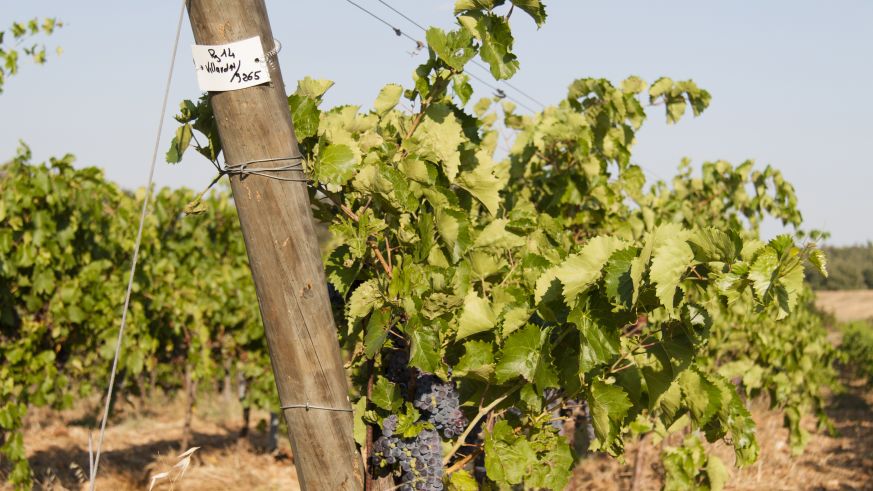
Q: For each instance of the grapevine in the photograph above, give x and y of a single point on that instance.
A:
(475, 296)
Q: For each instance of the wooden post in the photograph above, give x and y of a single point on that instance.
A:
(255, 123)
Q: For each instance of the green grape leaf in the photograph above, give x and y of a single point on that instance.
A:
(579, 271)
(463, 481)
(535, 8)
(523, 355)
(658, 373)
(43, 281)
(476, 317)
(495, 235)
(455, 48)
(733, 418)
(545, 282)
(633, 85)
(305, 115)
(553, 467)
(386, 395)
(599, 344)
(710, 244)
(424, 350)
(507, 457)
(609, 404)
(818, 259)
(660, 87)
(437, 139)
(454, 229)
(465, 5)
(336, 164)
(409, 423)
(365, 297)
(462, 88)
(482, 183)
(790, 287)
(701, 396)
(763, 272)
(620, 283)
(313, 88)
(181, 141)
(388, 97)
(671, 258)
(495, 36)
(477, 361)
(376, 331)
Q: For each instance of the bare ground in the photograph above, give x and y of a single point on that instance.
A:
(846, 305)
(143, 442)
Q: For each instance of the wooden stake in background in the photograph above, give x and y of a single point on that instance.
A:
(255, 123)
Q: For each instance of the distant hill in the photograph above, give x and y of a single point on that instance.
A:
(850, 268)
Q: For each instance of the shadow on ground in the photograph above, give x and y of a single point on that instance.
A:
(135, 462)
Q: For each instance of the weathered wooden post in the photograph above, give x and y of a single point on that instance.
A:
(254, 124)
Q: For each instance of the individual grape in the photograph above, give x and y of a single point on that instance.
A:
(441, 405)
(419, 458)
(389, 424)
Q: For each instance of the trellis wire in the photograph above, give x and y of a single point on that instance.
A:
(95, 459)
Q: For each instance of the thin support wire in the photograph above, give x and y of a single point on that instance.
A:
(397, 31)
(420, 45)
(513, 87)
(401, 14)
(309, 406)
(474, 62)
(243, 169)
(136, 246)
(500, 92)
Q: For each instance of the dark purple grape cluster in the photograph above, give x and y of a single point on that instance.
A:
(419, 459)
(440, 403)
(395, 364)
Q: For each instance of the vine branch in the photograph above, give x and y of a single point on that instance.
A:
(482, 412)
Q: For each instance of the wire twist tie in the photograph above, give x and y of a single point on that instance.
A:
(271, 55)
(242, 169)
(309, 406)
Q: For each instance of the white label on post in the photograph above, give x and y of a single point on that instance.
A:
(230, 66)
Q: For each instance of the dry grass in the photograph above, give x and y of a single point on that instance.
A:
(846, 305)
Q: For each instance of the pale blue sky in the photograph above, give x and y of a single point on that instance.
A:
(790, 81)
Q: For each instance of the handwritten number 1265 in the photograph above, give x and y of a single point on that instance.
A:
(246, 77)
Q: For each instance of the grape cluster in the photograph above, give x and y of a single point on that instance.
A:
(419, 458)
(440, 403)
(395, 364)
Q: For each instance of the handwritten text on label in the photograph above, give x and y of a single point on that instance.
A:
(230, 66)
